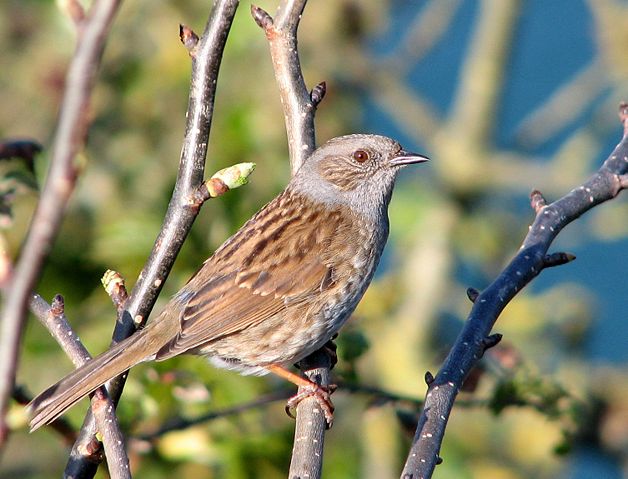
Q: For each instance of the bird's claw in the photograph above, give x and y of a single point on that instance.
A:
(322, 394)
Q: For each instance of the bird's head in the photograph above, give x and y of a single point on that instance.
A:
(357, 170)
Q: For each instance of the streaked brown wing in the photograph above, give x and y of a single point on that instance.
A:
(248, 280)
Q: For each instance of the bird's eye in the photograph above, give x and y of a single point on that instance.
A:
(360, 156)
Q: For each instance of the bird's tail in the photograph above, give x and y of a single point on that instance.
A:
(61, 396)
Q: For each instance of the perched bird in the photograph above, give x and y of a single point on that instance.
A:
(280, 287)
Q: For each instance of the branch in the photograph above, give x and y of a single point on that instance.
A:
(54, 319)
(299, 106)
(309, 430)
(488, 305)
(69, 139)
(179, 423)
(296, 100)
(182, 209)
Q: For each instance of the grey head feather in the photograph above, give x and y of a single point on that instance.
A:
(371, 196)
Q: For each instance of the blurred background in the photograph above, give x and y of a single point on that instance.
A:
(505, 96)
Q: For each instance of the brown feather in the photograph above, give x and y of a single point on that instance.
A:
(252, 281)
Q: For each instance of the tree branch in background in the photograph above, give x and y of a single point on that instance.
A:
(182, 209)
(379, 397)
(532, 258)
(69, 139)
(179, 423)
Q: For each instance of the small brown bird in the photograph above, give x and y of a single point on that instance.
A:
(278, 289)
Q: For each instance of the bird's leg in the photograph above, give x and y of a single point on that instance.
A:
(322, 394)
(329, 349)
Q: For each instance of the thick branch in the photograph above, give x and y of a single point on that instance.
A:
(524, 267)
(181, 212)
(69, 139)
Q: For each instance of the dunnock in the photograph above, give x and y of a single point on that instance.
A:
(279, 288)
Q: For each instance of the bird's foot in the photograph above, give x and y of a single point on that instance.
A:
(322, 394)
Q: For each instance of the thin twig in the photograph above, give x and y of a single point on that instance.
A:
(179, 423)
(54, 319)
(525, 266)
(181, 211)
(69, 139)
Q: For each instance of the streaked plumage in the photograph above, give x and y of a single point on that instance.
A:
(279, 288)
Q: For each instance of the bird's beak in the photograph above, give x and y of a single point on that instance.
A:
(407, 158)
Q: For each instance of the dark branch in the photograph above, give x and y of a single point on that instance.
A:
(558, 259)
(524, 267)
(69, 139)
(491, 341)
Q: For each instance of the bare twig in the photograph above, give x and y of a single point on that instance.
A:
(69, 138)
(181, 211)
(53, 317)
(298, 106)
(379, 395)
(178, 423)
(525, 266)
